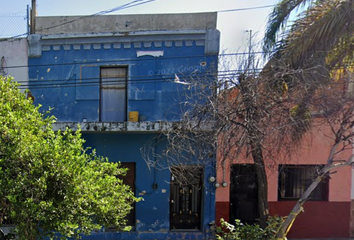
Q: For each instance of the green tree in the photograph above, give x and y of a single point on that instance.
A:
(50, 185)
(315, 51)
(322, 34)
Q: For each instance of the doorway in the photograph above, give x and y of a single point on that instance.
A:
(243, 193)
(186, 198)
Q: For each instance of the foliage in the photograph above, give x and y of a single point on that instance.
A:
(49, 184)
(241, 231)
(315, 54)
(320, 39)
(244, 116)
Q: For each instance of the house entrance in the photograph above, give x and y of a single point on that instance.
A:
(185, 198)
(243, 193)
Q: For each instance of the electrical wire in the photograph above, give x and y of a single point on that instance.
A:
(128, 60)
(134, 4)
(91, 82)
(145, 78)
(245, 9)
(96, 82)
(124, 6)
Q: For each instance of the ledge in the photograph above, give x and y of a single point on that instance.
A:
(114, 126)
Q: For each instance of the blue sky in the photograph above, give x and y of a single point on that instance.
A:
(233, 25)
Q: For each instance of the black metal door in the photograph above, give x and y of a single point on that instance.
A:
(185, 198)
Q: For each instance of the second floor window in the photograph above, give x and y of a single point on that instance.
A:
(113, 94)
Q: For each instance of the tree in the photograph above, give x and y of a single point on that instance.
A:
(316, 47)
(50, 185)
(239, 116)
(323, 33)
(332, 109)
(319, 41)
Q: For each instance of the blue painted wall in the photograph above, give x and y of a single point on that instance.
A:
(68, 82)
(152, 214)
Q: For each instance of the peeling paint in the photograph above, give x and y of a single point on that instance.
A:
(116, 126)
(157, 102)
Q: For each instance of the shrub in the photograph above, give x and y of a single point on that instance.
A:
(240, 231)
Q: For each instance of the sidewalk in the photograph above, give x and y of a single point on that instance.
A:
(320, 238)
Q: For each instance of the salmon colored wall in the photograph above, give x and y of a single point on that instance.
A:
(314, 150)
(223, 173)
(321, 219)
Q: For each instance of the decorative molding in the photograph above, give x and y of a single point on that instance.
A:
(149, 53)
(136, 40)
(107, 46)
(125, 45)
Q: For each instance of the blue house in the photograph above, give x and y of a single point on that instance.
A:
(124, 79)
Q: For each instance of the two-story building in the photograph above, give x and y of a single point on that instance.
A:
(124, 79)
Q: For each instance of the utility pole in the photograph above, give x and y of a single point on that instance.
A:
(250, 58)
(33, 16)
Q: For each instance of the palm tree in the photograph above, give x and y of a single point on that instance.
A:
(321, 35)
(318, 43)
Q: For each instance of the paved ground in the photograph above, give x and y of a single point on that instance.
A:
(321, 239)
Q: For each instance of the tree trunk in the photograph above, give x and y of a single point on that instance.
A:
(255, 137)
(261, 174)
(287, 224)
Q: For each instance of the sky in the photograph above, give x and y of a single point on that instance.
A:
(233, 25)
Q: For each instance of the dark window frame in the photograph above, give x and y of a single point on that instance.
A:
(293, 180)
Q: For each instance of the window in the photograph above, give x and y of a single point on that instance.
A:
(113, 94)
(294, 179)
(185, 199)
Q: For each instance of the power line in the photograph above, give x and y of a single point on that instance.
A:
(245, 9)
(124, 6)
(141, 2)
(127, 60)
(134, 4)
(95, 81)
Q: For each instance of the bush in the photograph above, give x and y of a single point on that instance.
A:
(50, 184)
(240, 231)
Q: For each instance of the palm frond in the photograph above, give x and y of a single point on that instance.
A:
(278, 19)
(319, 32)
